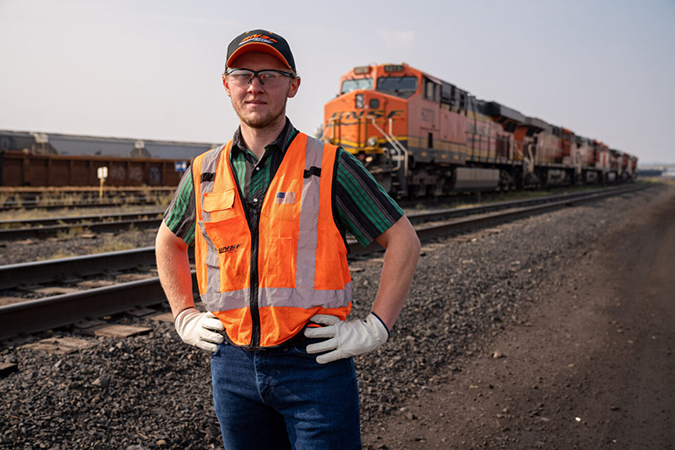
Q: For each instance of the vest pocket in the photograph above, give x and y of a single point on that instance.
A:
(220, 205)
(216, 201)
(277, 254)
(231, 251)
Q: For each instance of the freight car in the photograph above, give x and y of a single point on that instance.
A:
(26, 169)
(40, 143)
(419, 135)
(52, 159)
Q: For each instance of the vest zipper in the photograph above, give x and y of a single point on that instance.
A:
(254, 225)
(252, 210)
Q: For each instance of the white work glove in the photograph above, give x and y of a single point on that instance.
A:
(199, 329)
(345, 338)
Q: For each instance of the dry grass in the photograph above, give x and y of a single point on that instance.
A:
(112, 245)
(72, 232)
(62, 199)
(62, 254)
(3, 198)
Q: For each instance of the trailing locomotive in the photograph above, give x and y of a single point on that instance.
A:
(419, 135)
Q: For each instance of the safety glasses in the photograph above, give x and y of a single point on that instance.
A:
(268, 77)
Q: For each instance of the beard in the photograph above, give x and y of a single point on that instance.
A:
(260, 122)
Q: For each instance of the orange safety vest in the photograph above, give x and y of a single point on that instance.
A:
(264, 285)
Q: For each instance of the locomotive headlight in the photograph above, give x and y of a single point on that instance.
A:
(359, 101)
(372, 141)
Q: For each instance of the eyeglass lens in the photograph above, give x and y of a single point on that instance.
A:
(266, 77)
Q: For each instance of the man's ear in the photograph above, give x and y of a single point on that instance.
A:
(227, 87)
(295, 85)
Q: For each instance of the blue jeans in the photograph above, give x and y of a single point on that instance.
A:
(284, 399)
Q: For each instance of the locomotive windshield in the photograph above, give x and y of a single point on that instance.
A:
(352, 85)
(400, 86)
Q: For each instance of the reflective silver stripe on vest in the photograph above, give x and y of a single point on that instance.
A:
(305, 298)
(279, 297)
(209, 164)
(212, 268)
(309, 217)
(227, 301)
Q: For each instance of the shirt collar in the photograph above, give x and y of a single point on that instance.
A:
(280, 143)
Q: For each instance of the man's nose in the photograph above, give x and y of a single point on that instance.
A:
(255, 85)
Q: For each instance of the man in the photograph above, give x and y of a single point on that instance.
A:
(268, 213)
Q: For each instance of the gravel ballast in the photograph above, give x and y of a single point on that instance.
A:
(153, 391)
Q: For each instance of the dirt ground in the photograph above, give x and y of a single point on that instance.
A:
(592, 367)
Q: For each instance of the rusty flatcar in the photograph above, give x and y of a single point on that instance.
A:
(53, 159)
(26, 169)
(419, 135)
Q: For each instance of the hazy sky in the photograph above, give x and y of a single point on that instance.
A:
(151, 69)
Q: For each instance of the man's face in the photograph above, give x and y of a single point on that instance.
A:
(260, 106)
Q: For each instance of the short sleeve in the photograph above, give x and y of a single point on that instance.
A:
(181, 215)
(363, 207)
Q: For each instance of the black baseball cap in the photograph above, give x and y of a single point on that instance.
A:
(261, 41)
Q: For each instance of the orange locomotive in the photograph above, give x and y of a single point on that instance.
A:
(419, 135)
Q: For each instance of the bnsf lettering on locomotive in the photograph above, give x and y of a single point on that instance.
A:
(352, 117)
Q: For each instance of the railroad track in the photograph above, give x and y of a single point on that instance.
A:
(24, 194)
(41, 228)
(49, 199)
(88, 203)
(24, 228)
(61, 310)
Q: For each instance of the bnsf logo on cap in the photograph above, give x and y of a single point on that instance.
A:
(259, 38)
(229, 248)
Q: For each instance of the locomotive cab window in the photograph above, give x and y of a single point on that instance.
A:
(403, 87)
(353, 85)
(432, 91)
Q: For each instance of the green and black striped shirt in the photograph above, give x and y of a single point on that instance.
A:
(362, 206)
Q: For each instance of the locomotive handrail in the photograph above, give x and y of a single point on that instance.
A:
(396, 144)
(331, 124)
(531, 162)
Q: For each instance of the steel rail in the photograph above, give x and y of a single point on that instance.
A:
(32, 204)
(66, 220)
(52, 230)
(443, 214)
(54, 192)
(14, 275)
(52, 312)
(31, 273)
(478, 219)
